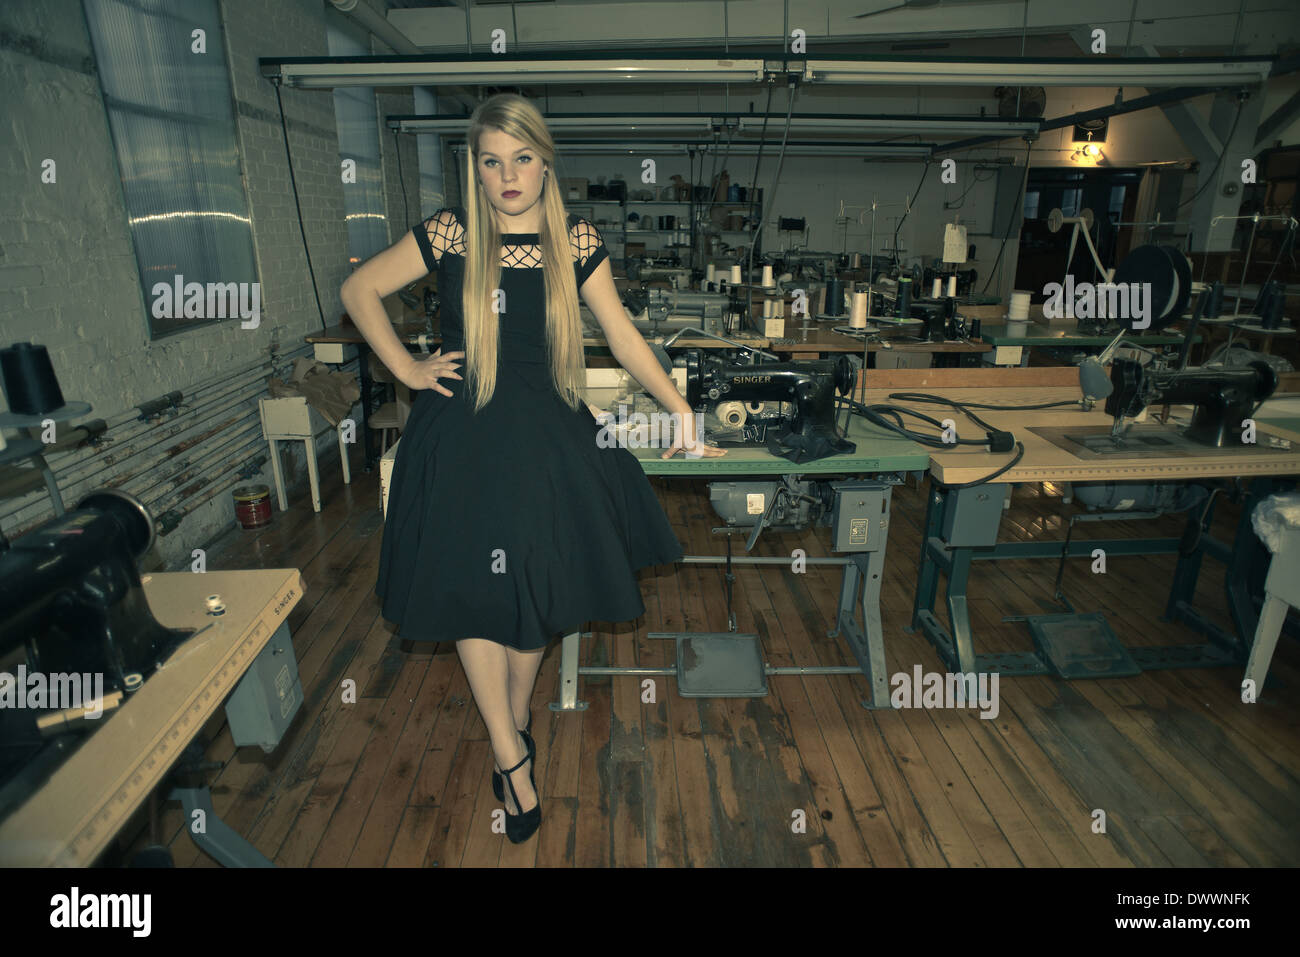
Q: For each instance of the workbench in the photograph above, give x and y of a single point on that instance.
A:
(961, 524)
(1009, 350)
(330, 344)
(882, 459)
(71, 818)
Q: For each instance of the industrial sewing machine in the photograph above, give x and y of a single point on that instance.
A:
(671, 310)
(78, 640)
(749, 404)
(1223, 398)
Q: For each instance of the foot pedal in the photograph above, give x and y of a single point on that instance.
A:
(1080, 646)
(720, 665)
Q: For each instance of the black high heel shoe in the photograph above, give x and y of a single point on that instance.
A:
(497, 789)
(520, 827)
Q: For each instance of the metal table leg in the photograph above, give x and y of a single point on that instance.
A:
(963, 643)
(867, 642)
(569, 676)
(927, 582)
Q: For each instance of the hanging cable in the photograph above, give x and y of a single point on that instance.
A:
(293, 182)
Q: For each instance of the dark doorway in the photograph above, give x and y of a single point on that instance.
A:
(1111, 194)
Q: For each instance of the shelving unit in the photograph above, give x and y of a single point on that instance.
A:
(618, 234)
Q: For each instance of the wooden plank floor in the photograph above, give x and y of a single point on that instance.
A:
(1184, 772)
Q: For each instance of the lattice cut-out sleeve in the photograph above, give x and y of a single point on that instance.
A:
(440, 233)
(589, 248)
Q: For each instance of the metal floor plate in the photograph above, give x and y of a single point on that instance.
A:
(720, 665)
(1081, 646)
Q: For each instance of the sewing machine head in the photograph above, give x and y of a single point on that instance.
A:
(1223, 398)
(70, 593)
(751, 404)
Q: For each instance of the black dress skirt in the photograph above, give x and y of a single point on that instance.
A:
(512, 523)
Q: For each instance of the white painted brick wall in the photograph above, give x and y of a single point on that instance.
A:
(68, 272)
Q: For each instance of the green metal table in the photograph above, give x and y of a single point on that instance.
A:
(882, 459)
(1064, 337)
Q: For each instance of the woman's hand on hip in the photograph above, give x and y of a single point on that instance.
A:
(425, 373)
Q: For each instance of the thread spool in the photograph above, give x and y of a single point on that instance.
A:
(936, 291)
(710, 272)
(768, 306)
(735, 275)
(1019, 305)
(858, 313)
(252, 505)
(1273, 313)
(952, 287)
(768, 282)
(30, 384)
(903, 308)
(857, 260)
(835, 298)
(1215, 306)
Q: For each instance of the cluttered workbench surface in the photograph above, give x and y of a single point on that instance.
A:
(877, 451)
(1046, 460)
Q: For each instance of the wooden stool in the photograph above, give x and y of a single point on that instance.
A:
(390, 415)
(293, 418)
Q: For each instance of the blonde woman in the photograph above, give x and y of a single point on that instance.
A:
(508, 523)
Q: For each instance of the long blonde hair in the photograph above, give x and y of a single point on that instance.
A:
(518, 117)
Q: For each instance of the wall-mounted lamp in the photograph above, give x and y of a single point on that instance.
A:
(1086, 153)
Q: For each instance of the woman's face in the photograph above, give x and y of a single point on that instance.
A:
(507, 165)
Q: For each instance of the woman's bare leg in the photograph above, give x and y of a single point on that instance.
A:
(488, 670)
(524, 666)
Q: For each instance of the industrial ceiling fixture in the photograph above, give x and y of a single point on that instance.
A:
(655, 67)
(740, 124)
(898, 6)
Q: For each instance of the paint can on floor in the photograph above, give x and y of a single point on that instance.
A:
(252, 505)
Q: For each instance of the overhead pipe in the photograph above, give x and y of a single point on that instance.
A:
(70, 473)
(85, 469)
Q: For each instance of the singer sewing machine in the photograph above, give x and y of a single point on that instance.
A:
(79, 645)
(756, 404)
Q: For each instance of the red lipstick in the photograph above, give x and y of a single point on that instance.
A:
(510, 193)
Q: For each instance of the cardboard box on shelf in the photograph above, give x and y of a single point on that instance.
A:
(575, 188)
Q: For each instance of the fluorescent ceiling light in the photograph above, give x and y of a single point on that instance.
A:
(1144, 72)
(863, 150)
(568, 124)
(1148, 72)
(375, 72)
(938, 124)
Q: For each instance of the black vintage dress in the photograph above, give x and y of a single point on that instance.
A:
(512, 524)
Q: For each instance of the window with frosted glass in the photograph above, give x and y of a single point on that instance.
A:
(357, 118)
(168, 98)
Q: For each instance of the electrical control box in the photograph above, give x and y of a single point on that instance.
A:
(264, 703)
(860, 516)
(973, 515)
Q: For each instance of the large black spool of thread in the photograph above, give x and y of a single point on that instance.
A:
(1215, 305)
(835, 298)
(1273, 305)
(31, 387)
(903, 308)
